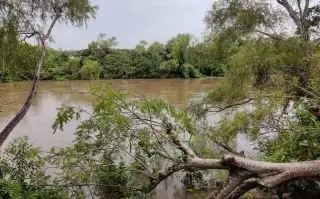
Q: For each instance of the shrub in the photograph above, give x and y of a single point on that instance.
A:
(90, 70)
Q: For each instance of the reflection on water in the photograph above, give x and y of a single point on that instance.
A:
(37, 123)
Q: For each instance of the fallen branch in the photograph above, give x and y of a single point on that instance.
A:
(244, 173)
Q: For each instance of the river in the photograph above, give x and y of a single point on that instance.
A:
(52, 94)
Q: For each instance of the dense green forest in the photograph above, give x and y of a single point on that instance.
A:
(125, 148)
(180, 57)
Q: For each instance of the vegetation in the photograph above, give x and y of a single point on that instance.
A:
(178, 58)
(125, 148)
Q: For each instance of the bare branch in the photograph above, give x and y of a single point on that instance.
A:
(235, 179)
(181, 146)
(243, 188)
(244, 101)
(226, 148)
(164, 174)
(28, 35)
(156, 152)
(241, 170)
(300, 9)
(306, 11)
(273, 36)
(291, 12)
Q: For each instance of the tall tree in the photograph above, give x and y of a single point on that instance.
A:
(30, 18)
(102, 46)
(141, 46)
(235, 20)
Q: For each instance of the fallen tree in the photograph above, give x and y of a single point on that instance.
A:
(142, 132)
(244, 174)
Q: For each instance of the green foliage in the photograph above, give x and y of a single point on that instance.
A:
(17, 60)
(238, 18)
(299, 141)
(168, 68)
(23, 20)
(179, 48)
(141, 47)
(118, 177)
(178, 58)
(90, 70)
(123, 142)
(23, 175)
(204, 57)
(103, 45)
(59, 66)
(189, 71)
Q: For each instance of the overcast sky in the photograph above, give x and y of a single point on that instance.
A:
(131, 21)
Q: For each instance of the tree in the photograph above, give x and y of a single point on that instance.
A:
(179, 48)
(169, 68)
(141, 47)
(237, 19)
(118, 64)
(23, 175)
(187, 141)
(102, 46)
(204, 57)
(90, 70)
(150, 132)
(156, 132)
(177, 51)
(27, 17)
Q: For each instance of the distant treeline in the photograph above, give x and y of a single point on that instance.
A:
(180, 57)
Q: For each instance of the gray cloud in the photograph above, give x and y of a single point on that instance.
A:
(133, 20)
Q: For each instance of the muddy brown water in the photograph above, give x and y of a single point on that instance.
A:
(52, 94)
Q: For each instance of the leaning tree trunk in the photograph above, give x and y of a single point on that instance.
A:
(18, 117)
(13, 123)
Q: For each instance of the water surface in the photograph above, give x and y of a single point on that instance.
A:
(51, 94)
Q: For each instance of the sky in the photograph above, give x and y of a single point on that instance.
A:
(131, 21)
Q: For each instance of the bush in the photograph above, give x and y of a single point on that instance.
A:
(168, 68)
(188, 71)
(23, 174)
(90, 70)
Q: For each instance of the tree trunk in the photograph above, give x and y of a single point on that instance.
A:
(13, 123)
